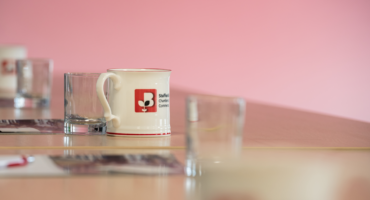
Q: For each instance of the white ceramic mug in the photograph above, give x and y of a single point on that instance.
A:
(8, 76)
(139, 102)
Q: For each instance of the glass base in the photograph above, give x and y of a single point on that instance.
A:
(24, 102)
(85, 129)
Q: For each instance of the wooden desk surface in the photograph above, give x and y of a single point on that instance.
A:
(268, 127)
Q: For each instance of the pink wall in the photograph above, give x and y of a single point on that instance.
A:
(312, 55)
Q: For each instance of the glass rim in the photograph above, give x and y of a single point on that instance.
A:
(81, 74)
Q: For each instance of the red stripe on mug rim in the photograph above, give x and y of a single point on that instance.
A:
(140, 70)
(139, 134)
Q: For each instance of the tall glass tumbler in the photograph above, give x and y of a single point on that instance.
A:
(34, 79)
(83, 113)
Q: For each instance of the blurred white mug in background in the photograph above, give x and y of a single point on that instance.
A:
(8, 76)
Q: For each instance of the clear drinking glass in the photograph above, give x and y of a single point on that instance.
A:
(83, 113)
(34, 78)
(214, 130)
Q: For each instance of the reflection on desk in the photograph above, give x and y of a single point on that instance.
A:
(279, 173)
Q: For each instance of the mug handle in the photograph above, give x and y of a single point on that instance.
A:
(100, 92)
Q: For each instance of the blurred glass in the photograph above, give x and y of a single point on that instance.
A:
(214, 130)
(34, 78)
(83, 113)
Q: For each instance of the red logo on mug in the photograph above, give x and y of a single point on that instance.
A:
(145, 100)
(8, 67)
